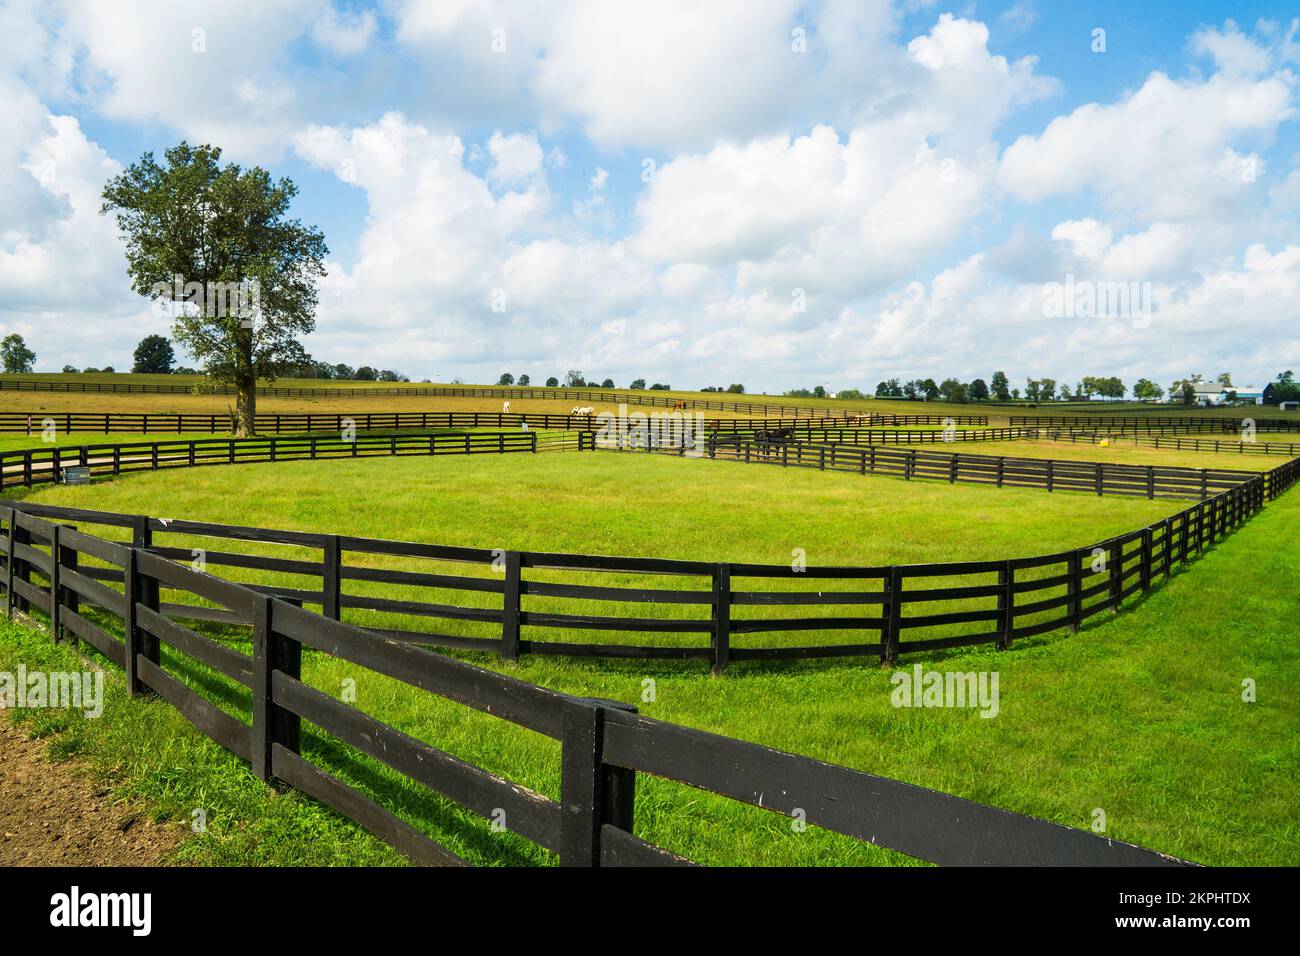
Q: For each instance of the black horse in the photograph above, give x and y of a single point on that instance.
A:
(769, 440)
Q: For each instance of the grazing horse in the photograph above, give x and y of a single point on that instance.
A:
(766, 438)
(679, 405)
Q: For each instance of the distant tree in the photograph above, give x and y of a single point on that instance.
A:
(552, 382)
(638, 384)
(999, 386)
(1065, 392)
(953, 391)
(524, 379)
(70, 370)
(15, 354)
(1285, 388)
(819, 391)
(226, 232)
(366, 374)
(154, 356)
(851, 394)
(1145, 390)
(929, 389)
(1225, 378)
(186, 370)
(1015, 394)
(506, 379)
(573, 379)
(979, 390)
(658, 387)
(345, 372)
(388, 375)
(608, 383)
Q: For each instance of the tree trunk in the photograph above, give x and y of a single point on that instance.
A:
(246, 409)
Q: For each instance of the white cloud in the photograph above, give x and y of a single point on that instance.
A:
(345, 34)
(517, 158)
(1170, 150)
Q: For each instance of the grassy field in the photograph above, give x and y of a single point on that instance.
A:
(1140, 716)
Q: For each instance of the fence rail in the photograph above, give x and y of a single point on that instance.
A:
(604, 746)
(33, 423)
(31, 466)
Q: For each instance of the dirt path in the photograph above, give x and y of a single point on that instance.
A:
(51, 816)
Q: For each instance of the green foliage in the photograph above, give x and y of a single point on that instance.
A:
(198, 234)
(154, 356)
(15, 356)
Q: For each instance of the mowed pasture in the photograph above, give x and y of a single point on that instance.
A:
(1140, 715)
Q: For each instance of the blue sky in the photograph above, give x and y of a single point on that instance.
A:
(913, 177)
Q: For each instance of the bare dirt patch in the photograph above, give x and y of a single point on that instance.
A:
(52, 816)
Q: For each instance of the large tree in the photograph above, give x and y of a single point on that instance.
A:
(199, 234)
(154, 355)
(15, 355)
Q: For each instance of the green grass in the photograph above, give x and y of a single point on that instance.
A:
(1140, 716)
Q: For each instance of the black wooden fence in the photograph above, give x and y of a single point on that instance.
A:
(1003, 471)
(29, 466)
(519, 602)
(33, 423)
(1218, 446)
(604, 746)
(1158, 423)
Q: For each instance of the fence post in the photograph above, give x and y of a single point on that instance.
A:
(721, 618)
(271, 724)
(18, 568)
(1073, 589)
(331, 578)
(1006, 604)
(592, 794)
(510, 606)
(1115, 562)
(1145, 573)
(130, 628)
(893, 615)
(1168, 554)
(55, 603)
(142, 537)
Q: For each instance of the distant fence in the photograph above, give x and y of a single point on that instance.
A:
(1050, 474)
(1154, 423)
(29, 466)
(630, 396)
(32, 423)
(1231, 446)
(876, 436)
(604, 745)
